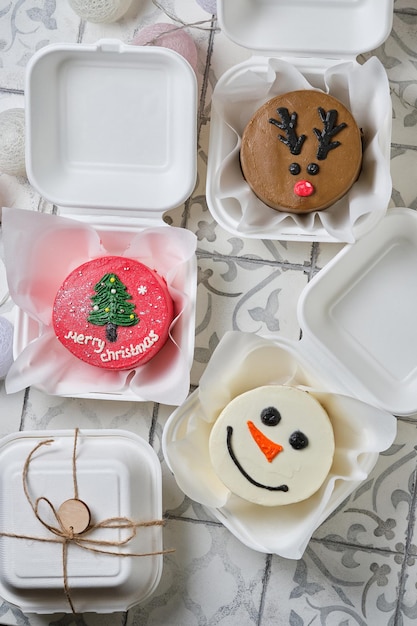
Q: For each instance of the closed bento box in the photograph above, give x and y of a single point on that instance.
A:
(74, 504)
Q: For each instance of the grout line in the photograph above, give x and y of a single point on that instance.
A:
(314, 540)
(201, 119)
(315, 251)
(152, 429)
(286, 265)
(24, 405)
(408, 539)
(17, 92)
(356, 546)
(403, 146)
(81, 31)
(265, 580)
(406, 11)
(192, 520)
(406, 419)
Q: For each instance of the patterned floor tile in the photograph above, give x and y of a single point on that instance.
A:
(377, 515)
(44, 412)
(27, 26)
(403, 168)
(205, 558)
(407, 608)
(11, 410)
(329, 587)
(242, 295)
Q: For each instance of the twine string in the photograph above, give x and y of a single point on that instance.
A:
(74, 464)
(66, 535)
(199, 25)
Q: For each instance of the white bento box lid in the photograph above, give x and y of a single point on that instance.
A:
(358, 316)
(111, 127)
(317, 28)
(104, 465)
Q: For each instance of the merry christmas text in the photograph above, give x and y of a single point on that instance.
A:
(108, 355)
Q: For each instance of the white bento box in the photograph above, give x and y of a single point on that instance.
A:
(357, 356)
(118, 479)
(111, 141)
(302, 44)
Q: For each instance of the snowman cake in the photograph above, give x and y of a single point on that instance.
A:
(272, 445)
(301, 151)
(113, 313)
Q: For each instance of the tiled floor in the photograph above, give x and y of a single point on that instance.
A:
(359, 567)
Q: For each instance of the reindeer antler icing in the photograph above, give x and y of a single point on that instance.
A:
(324, 137)
(288, 125)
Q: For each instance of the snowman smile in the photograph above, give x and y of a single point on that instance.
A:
(243, 471)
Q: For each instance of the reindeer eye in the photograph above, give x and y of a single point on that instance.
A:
(313, 169)
(294, 169)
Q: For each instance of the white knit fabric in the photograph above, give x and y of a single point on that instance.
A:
(100, 11)
(12, 142)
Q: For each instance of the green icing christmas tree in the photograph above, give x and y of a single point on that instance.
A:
(111, 306)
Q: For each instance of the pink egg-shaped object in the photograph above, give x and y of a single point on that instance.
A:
(208, 5)
(168, 36)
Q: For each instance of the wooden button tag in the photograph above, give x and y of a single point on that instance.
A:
(74, 515)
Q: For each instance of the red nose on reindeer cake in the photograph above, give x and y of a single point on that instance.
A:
(296, 137)
(303, 188)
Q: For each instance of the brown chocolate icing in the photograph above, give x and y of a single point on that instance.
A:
(301, 151)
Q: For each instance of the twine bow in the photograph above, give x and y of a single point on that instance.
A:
(66, 535)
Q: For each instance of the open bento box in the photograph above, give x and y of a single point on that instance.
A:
(357, 356)
(111, 140)
(117, 506)
(299, 44)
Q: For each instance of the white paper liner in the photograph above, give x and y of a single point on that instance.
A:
(242, 362)
(40, 252)
(364, 90)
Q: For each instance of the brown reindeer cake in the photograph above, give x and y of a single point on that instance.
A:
(301, 151)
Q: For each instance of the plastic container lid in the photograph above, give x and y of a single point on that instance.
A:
(358, 316)
(320, 28)
(108, 464)
(111, 126)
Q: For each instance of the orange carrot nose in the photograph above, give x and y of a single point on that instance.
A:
(268, 447)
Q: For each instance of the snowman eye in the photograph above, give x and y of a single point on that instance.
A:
(270, 416)
(298, 440)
